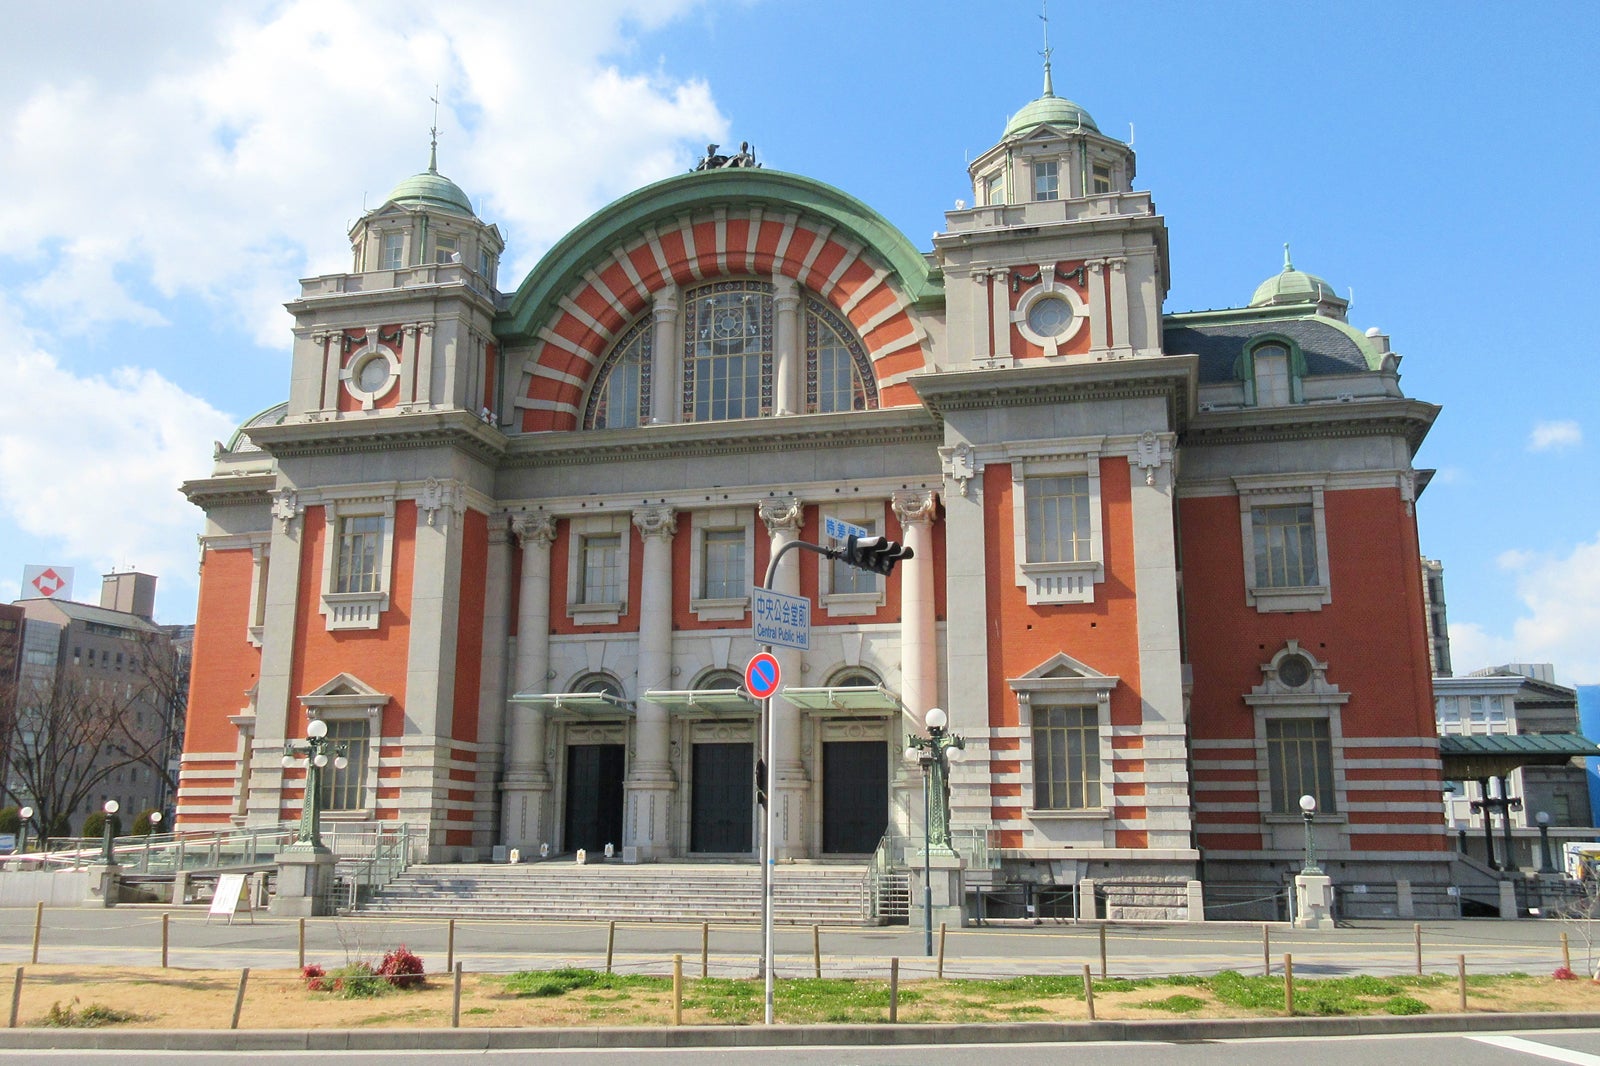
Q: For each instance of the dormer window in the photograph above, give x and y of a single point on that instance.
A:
(1101, 178)
(446, 250)
(994, 189)
(1046, 181)
(1272, 375)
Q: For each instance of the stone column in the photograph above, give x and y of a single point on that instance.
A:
(1120, 339)
(788, 364)
(790, 784)
(525, 801)
(1097, 305)
(665, 403)
(648, 822)
(919, 684)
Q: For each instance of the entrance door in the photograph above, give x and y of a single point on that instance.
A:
(721, 811)
(594, 795)
(855, 795)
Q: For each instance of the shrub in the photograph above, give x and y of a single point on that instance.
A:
(95, 824)
(1405, 1005)
(1564, 974)
(315, 977)
(403, 968)
(357, 981)
(60, 826)
(141, 824)
(91, 1017)
(10, 820)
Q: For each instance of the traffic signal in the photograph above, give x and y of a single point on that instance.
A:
(878, 554)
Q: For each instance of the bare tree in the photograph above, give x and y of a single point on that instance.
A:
(72, 734)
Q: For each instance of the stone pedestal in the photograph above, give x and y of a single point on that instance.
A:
(303, 878)
(1508, 900)
(103, 882)
(1313, 901)
(944, 873)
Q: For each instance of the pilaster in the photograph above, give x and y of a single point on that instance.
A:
(651, 783)
(525, 807)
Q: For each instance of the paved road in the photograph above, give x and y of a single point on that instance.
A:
(1480, 1049)
(132, 936)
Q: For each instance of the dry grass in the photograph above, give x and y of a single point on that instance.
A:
(278, 999)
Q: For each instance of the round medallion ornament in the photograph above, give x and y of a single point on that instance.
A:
(1294, 671)
(1050, 316)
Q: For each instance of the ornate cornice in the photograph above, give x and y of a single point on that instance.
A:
(755, 436)
(1408, 419)
(1173, 378)
(383, 432)
(214, 491)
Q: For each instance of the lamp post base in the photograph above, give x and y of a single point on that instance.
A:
(303, 879)
(1313, 898)
(945, 875)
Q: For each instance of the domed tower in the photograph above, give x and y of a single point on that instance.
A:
(1295, 288)
(410, 328)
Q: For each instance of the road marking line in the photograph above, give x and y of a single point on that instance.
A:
(1529, 1047)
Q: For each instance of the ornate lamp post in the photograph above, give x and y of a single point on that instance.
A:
(933, 754)
(155, 822)
(315, 749)
(1546, 863)
(26, 815)
(111, 808)
(1308, 811)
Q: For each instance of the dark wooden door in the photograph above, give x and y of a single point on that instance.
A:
(855, 795)
(594, 796)
(721, 807)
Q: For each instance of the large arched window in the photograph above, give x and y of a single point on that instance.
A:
(621, 399)
(838, 375)
(727, 366)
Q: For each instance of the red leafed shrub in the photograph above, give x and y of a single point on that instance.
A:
(403, 968)
(1564, 974)
(314, 977)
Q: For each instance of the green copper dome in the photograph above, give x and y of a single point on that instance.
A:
(432, 189)
(1291, 286)
(1050, 110)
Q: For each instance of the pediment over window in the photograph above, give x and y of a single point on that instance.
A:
(1063, 676)
(343, 694)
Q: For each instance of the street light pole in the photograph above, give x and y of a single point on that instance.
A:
(1308, 811)
(26, 815)
(315, 751)
(1546, 864)
(111, 808)
(935, 801)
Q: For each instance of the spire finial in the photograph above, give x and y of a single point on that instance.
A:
(1044, 16)
(433, 132)
(1287, 265)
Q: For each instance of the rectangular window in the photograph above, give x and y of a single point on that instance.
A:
(344, 790)
(1477, 709)
(730, 344)
(602, 569)
(994, 189)
(723, 573)
(1299, 763)
(1449, 711)
(1497, 710)
(484, 263)
(1102, 178)
(846, 579)
(1058, 519)
(1285, 546)
(1066, 758)
(1046, 181)
(394, 249)
(446, 250)
(360, 543)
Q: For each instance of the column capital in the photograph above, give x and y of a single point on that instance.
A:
(656, 522)
(785, 291)
(782, 514)
(534, 530)
(664, 302)
(914, 506)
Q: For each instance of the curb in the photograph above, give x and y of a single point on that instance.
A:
(777, 1035)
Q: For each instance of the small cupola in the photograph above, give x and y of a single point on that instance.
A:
(1290, 287)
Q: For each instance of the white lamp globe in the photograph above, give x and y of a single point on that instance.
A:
(1543, 817)
(112, 806)
(1308, 804)
(321, 759)
(912, 756)
(317, 729)
(340, 763)
(288, 761)
(955, 755)
(155, 817)
(25, 813)
(937, 719)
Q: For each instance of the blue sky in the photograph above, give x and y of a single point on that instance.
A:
(159, 206)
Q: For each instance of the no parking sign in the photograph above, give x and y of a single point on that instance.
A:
(761, 675)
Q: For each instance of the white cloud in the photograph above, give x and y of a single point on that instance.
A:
(1561, 601)
(1555, 436)
(229, 156)
(91, 465)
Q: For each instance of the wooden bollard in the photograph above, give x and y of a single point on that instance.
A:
(941, 950)
(705, 950)
(1461, 980)
(38, 924)
(1102, 952)
(1566, 953)
(1088, 991)
(611, 942)
(894, 990)
(302, 943)
(16, 998)
(1266, 950)
(1416, 933)
(450, 946)
(455, 998)
(816, 951)
(238, 999)
(165, 918)
(677, 990)
(1288, 985)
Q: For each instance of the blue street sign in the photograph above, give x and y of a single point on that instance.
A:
(781, 619)
(838, 529)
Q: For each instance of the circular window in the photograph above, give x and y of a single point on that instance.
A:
(1050, 316)
(1294, 671)
(373, 375)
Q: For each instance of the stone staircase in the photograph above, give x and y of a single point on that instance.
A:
(803, 893)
